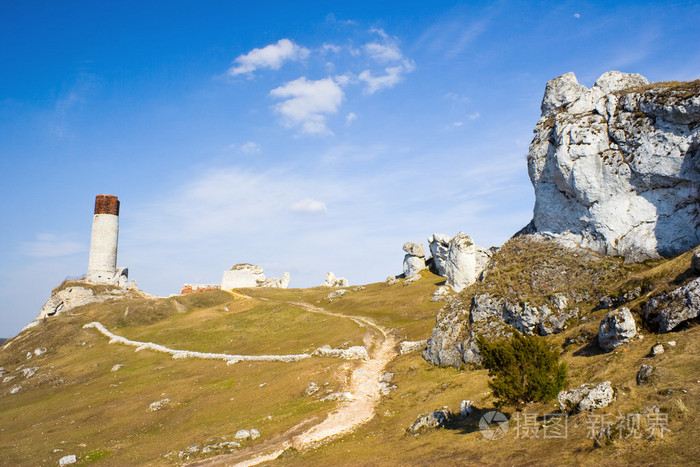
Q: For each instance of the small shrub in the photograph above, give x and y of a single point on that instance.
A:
(523, 369)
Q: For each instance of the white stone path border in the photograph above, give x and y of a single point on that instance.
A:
(352, 353)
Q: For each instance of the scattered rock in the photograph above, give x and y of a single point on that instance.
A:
(671, 343)
(586, 398)
(336, 293)
(67, 460)
(242, 434)
(338, 396)
(391, 280)
(117, 367)
(435, 419)
(332, 281)
(385, 383)
(617, 328)
(8, 378)
(644, 375)
(40, 350)
(412, 278)
(414, 261)
(440, 294)
(15, 389)
(411, 346)
(311, 389)
(466, 408)
(439, 246)
(254, 434)
(658, 349)
(158, 405)
(29, 372)
(594, 163)
(669, 310)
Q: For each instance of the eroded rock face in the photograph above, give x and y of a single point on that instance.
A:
(669, 310)
(616, 169)
(617, 328)
(439, 245)
(461, 262)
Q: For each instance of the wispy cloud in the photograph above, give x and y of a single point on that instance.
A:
(272, 56)
(50, 246)
(392, 75)
(351, 117)
(307, 103)
(309, 205)
(250, 148)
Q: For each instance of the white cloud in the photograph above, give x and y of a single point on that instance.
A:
(474, 116)
(331, 48)
(383, 53)
(392, 76)
(351, 117)
(307, 103)
(250, 148)
(457, 124)
(577, 15)
(309, 205)
(51, 246)
(271, 56)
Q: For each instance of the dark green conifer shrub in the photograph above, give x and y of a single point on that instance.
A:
(523, 369)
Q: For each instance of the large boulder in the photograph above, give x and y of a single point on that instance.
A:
(614, 167)
(617, 328)
(669, 310)
(414, 261)
(439, 246)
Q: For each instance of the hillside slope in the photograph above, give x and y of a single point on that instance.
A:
(109, 405)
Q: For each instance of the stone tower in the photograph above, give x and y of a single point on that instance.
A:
(102, 268)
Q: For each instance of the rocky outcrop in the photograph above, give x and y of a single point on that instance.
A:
(615, 168)
(332, 281)
(669, 310)
(414, 261)
(72, 297)
(250, 275)
(461, 262)
(586, 398)
(439, 246)
(617, 328)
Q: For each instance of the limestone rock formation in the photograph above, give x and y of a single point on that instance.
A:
(617, 328)
(669, 310)
(332, 281)
(465, 262)
(615, 168)
(439, 246)
(75, 296)
(414, 261)
(586, 398)
(250, 275)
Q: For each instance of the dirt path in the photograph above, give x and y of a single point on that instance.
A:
(363, 387)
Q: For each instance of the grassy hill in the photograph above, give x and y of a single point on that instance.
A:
(95, 399)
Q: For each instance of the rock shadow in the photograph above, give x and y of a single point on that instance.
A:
(590, 350)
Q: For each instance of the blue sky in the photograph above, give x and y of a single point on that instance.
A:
(301, 136)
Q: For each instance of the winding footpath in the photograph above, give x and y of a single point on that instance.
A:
(351, 414)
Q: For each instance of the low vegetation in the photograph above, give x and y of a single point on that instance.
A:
(523, 369)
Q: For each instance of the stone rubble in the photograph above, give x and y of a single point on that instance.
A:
(586, 398)
(669, 310)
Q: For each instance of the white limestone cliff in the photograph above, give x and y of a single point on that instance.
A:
(616, 168)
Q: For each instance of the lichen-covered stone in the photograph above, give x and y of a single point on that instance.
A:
(669, 310)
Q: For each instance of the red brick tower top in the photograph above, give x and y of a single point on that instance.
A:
(106, 204)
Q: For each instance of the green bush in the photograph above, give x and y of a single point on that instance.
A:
(523, 369)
